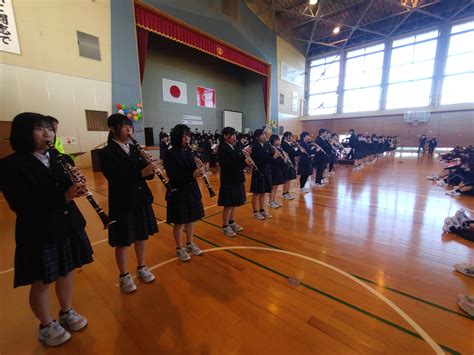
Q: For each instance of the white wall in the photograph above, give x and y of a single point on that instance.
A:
(62, 96)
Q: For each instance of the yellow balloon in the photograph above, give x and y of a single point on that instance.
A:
(135, 118)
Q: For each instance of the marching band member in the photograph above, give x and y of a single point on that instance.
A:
(287, 147)
(50, 238)
(279, 170)
(130, 200)
(184, 206)
(261, 182)
(232, 190)
(305, 167)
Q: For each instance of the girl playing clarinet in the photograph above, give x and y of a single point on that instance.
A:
(286, 145)
(232, 190)
(261, 182)
(50, 238)
(184, 206)
(279, 170)
(130, 200)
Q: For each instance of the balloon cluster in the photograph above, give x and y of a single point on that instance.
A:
(134, 113)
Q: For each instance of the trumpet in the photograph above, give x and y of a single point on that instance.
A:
(148, 158)
(246, 152)
(200, 165)
(69, 171)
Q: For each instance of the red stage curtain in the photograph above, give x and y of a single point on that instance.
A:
(142, 42)
(152, 20)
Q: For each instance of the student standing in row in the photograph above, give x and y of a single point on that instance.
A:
(130, 199)
(232, 190)
(50, 238)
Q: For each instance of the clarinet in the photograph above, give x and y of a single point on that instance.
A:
(68, 170)
(286, 157)
(149, 159)
(247, 155)
(204, 175)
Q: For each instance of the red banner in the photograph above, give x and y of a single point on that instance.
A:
(164, 25)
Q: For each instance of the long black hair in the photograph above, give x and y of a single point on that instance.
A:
(21, 135)
(115, 122)
(177, 134)
(273, 138)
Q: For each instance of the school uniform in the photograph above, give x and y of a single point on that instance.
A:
(232, 164)
(206, 150)
(262, 155)
(321, 159)
(292, 154)
(185, 204)
(278, 169)
(49, 233)
(354, 144)
(130, 198)
(305, 164)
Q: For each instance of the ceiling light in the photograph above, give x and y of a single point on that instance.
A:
(313, 2)
(336, 30)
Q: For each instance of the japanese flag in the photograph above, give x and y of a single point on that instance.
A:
(174, 91)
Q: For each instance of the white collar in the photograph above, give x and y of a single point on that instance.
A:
(44, 158)
(125, 147)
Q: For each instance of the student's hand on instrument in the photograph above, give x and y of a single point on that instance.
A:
(78, 174)
(197, 173)
(276, 155)
(149, 170)
(76, 190)
(248, 161)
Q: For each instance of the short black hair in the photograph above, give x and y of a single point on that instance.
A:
(228, 130)
(53, 119)
(322, 130)
(304, 134)
(177, 134)
(21, 135)
(273, 138)
(257, 133)
(287, 134)
(351, 130)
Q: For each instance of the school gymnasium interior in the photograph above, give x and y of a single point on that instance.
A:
(369, 261)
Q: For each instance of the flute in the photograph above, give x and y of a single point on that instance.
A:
(148, 158)
(69, 171)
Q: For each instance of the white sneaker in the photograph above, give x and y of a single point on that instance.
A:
(278, 203)
(287, 196)
(304, 190)
(467, 304)
(258, 216)
(228, 231)
(325, 181)
(266, 215)
(319, 185)
(465, 268)
(53, 334)
(273, 204)
(441, 183)
(72, 320)
(453, 193)
(145, 275)
(182, 254)
(332, 173)
(235, 227)
(127, 284)
(193, 249)
(432, 177)
(461, 216)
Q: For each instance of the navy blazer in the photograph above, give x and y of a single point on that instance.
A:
(37, 195)
(232, 164)
(127, 187)
(292, 153)
(262, 155)
(180, 165)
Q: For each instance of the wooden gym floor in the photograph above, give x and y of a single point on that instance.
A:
(382, 225)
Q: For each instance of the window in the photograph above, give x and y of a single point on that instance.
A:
(363, 79)
(411, 70)
(459, 72)
(96, 120)
(323, 85)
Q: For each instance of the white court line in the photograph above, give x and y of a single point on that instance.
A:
(436, 348)
(6, 271)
